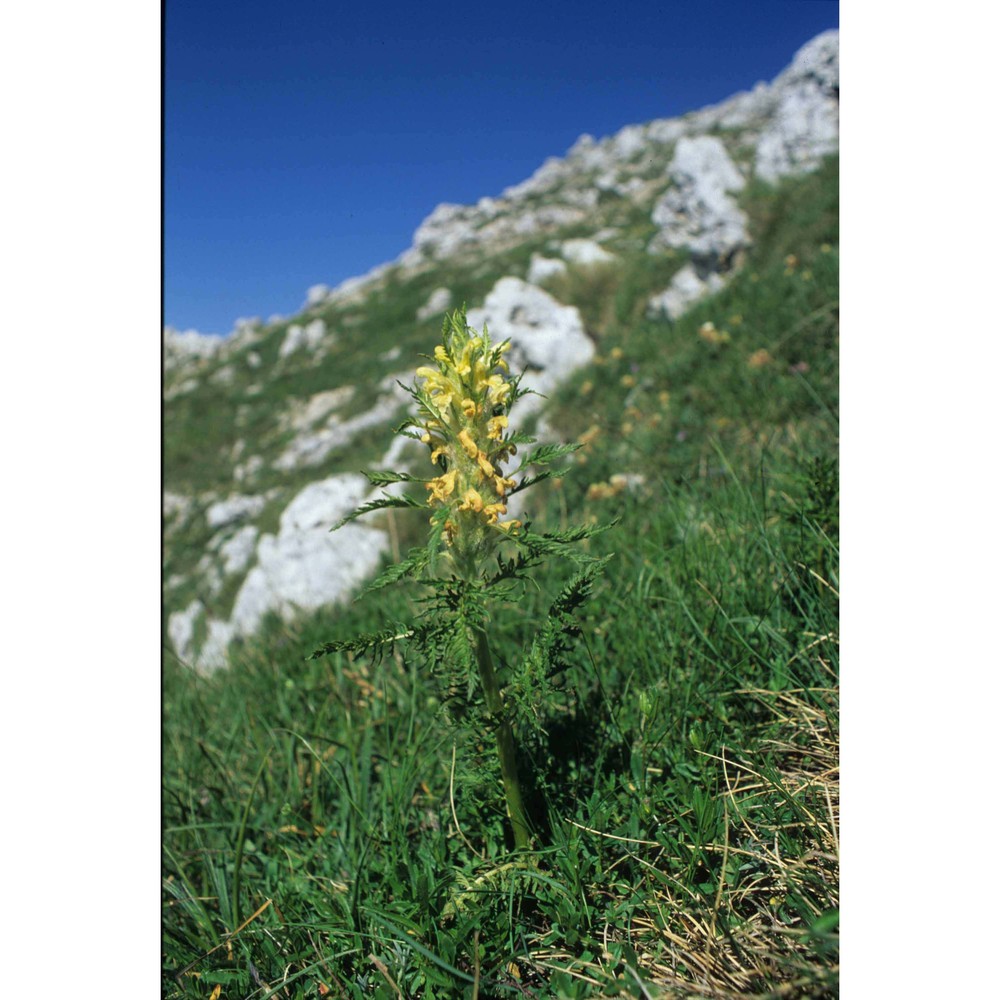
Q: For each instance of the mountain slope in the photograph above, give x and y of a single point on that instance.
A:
(265, 430)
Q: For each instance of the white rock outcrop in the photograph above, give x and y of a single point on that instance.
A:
(298, 337)
(306, 565)
(686, 288)
(548, 342)
(805, 122)
(585, 252)
(312, 445)
(541, 268)
(180, 631)
(316, 294)
(696, 213)
(438, 301)
(180, 346)
(233, 509)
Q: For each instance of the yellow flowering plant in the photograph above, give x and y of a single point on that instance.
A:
(476, 553)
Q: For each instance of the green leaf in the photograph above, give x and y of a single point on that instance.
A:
(380, 504)
(380, 478)
(414, 562)
(547, 474)
(367, 641)
(548, 453)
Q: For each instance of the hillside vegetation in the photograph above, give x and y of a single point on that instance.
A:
(327, 832)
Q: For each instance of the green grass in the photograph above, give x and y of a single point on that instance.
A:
(681, 772)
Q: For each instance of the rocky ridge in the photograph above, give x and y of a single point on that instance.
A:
(263, 543)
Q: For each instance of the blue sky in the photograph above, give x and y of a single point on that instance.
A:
(304, 142)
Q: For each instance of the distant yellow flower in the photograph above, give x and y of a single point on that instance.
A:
(710, 335)
(759, 359)
(628, 381)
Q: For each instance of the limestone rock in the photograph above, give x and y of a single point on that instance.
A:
(297, 337)
(586, 252)
(548, 342)
(542, 268)
(180, 346)
(234, 509)
(312, 446)
(180, 630)
(238, 550)
(306, 565)
(805, 123)
(316, 294)
(696, 213)
(437, 302)
(686, 288)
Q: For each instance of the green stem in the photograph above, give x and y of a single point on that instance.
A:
(505, 744)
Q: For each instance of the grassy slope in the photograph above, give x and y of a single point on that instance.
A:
(684, 768)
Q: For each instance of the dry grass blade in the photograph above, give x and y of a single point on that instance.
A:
(744, 942)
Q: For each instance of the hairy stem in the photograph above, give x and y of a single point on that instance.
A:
(505, 744)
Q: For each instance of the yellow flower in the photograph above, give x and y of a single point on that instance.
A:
(443, 486)
(463, 420)
(470, 446)
(484, 465)
(471, 501)
(495, 427)
(493, 510)
(499, 389)
(759, 359)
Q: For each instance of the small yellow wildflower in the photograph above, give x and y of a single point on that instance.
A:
(498, 389)
(493, 510)
(616, 353)
(471, 500)
(484, 464)
(495, 427)
(711, 335)
(443, 486)
(470, 446)
(759, 359)
(628, 381)
(464, 416)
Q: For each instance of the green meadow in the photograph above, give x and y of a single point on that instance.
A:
(328, 830)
